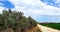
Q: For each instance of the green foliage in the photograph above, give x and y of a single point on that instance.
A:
(15, 20)
(52, 25)
(32, 22)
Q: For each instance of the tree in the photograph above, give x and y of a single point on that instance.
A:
(32, 22)
(15, 20)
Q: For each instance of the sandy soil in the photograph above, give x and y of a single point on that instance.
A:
(47, 29)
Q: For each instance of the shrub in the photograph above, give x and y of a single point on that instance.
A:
(16, 20)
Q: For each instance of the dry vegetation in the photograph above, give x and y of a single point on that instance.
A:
(13, 21)
(35, 29)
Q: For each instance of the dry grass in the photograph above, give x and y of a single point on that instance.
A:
(36, 29)
(9, 30)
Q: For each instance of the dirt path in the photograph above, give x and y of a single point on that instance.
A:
(46, 29)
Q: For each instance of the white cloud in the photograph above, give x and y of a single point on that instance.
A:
(35, 8)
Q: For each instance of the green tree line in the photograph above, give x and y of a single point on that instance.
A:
(15, 20)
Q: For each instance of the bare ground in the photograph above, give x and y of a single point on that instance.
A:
(47, 29)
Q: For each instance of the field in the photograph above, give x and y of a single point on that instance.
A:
(52, 25)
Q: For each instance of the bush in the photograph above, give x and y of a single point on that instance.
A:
(16, 20)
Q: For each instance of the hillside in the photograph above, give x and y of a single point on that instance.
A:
(14, 21)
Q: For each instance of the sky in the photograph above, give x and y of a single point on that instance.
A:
(40, 10)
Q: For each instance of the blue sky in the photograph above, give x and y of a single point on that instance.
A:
(40, 10)
(6, 4)
(52, 3)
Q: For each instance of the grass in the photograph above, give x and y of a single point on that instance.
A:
(52, 25)
(35, 29)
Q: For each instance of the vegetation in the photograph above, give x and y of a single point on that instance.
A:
(15, 21)
(52, 25)
(37, 29)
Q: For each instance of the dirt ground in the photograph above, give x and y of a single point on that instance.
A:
(47, 29)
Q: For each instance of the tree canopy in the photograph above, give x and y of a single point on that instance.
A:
(15, 20)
